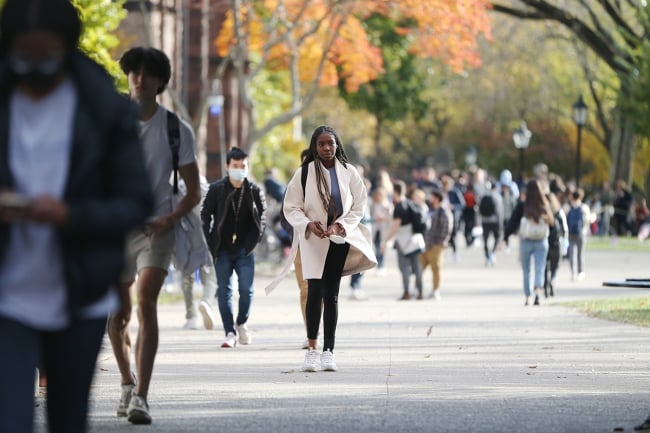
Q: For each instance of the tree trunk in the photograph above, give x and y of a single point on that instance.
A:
(621, 149)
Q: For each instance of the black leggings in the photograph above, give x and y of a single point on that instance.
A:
(325, 292)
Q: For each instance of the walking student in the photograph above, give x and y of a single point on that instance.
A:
(150, 247)
(234, 217)
(326, 219)
(436, 239)
(532, 219)
(73, 184)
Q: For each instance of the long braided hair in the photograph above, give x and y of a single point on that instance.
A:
(320, 170)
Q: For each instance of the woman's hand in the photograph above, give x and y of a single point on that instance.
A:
(316, 228)
(335, 229)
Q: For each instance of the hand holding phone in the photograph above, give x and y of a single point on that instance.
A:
(13, 200)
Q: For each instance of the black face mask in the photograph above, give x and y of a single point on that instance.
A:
(39, 76)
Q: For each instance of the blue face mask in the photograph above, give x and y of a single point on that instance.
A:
(237, 174)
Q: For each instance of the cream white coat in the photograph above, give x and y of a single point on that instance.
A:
(299, 210)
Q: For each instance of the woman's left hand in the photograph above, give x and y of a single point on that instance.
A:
(335, 229)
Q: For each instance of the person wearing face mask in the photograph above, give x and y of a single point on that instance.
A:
(73, 184)
(234, 218)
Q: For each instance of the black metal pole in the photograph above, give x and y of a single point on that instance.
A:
(578, 156)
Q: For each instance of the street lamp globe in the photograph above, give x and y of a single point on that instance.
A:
(521, 136)
(580, 111)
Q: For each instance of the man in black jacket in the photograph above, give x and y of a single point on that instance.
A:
(73, 185)
(234, 218)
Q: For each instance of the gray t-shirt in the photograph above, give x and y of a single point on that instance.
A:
(158, 156)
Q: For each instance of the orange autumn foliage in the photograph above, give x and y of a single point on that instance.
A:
(330, 42)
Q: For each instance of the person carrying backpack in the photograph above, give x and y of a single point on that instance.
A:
(490, 208)
(578, 222)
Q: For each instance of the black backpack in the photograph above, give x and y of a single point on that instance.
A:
(487, 207)
(174, 136)
(286, 225)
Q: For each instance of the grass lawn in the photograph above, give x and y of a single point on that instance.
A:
(606, 243)
(635, 311)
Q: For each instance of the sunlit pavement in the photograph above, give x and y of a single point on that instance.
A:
(475, 361)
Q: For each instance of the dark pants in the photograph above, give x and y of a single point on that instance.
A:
(68, 356)
(325, 292)
(552, 264)
(495, 230)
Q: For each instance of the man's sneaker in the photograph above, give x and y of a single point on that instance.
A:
(138, 412)
(125, 399)
(230, 341)
(191, 323)
(311, 361)
(206, 312)
(245, 336)
(327, 361)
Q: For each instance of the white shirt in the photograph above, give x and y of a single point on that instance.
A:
(158, 156)
(32, 284)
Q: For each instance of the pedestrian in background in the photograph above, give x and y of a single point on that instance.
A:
(436, 239)
(532, 219)
(73, 184)
(234, 218)
(577, 219)
(333, 243)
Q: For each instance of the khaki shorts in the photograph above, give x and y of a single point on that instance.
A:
(147, 251)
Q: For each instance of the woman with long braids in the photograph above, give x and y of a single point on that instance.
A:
(325, 215)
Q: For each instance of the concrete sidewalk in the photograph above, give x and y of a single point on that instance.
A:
(475, 361)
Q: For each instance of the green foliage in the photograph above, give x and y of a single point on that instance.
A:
(395, 93)
(100, 20)
(277, 149)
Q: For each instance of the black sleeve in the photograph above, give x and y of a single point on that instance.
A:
(208, 209)
(515, 219)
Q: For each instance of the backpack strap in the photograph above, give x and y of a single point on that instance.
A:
(174, 136)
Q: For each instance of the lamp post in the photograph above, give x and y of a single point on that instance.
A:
(521, 138)
(580, 112)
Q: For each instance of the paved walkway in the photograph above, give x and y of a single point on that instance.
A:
(476, 361)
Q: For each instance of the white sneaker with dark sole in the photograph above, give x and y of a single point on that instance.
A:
(138, 412)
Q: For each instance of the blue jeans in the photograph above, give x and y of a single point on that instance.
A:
(244, 266)
(537, 250)
(68, 356)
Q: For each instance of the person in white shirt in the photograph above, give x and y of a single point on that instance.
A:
(73, 184)
(150, 247)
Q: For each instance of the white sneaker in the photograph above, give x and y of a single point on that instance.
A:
(581, 276)
(245, 336)
(358, 295)
(230, 341)
(125, 399)
(138, 412)
(305, 344)
(327, 361)
(206, 313)
(311, 361)
(191, 323)
(436, 295)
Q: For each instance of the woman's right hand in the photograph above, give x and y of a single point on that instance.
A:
(316, 228)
